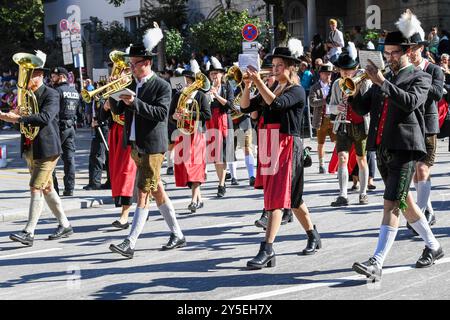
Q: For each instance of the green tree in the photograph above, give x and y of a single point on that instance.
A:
(172, 12)
(114, 35)
(22, 25)
(174, 43)
(222, 34)
(116, 3)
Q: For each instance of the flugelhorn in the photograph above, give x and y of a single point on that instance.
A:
(120, 64)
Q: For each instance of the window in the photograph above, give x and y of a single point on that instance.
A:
(132, 23)
(52, 32)
(296, 21)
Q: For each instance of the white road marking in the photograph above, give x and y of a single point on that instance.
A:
(29, 253)
(324, 283)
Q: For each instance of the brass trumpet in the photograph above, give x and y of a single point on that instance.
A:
(123, 81)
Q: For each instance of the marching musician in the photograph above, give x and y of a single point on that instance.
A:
(190, 150)
(396, 103)
(353, 132)
(282, 106)
(146, 114)
(422, 180)
(219, 141)
(42, 154)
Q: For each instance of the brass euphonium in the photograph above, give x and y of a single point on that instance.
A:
(26, 100)
(188, 107)
(235, 74)
(122, 81)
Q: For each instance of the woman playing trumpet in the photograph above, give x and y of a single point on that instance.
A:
(282, 106)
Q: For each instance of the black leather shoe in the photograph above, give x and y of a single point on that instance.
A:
(200, 205)
(287, 216)
(106, 186)
(68, 193)
(264, 258)
(262, 222)
(61, 232)
(221, 190)
(252, 181)
(23, 237)
(227, 176)
(169, 171)
(314, 242)
(192, 207)
(175, 242)
(431, 218)
(369, 268)
(93, 187)
(123, 249)
(118, 225)
(429, 257)
(340, 202)
(321, 170)
(234, 182)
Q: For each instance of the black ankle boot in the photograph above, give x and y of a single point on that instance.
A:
(314, 242)
(262, 222)
(264, 258)
(287, 216)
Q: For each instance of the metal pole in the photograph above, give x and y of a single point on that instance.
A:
(309, 118)
(272, 27)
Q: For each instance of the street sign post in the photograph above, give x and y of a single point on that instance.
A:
(250, 32)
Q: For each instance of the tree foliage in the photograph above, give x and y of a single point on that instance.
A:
(222, 33)
(22, 25)
(172, 12)
(114, 35)
(174, 43)
(116, 3)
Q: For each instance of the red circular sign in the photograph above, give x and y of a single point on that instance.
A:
(64, 25)
(75, 27)
(250, 32)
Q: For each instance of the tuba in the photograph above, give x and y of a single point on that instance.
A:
(123, 81)
(186, 108)
(26, 100)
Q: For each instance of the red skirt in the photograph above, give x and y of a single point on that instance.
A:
(189, 159)
(334, 161)
(276, 151)
(259, 179)
(122, 169)
(216, 136)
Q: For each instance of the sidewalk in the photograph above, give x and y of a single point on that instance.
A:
(14, 191)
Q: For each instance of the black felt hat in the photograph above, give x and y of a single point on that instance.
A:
(139, 50)
(346, 62)
(60, 70)
(284, 53)
(189, 74)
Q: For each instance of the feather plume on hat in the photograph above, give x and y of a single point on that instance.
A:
(215, 64)
(408, 25)
(127, 50)
(41, 55)
(295, 47)
(194, 66)
(152, 37)
(351, 49)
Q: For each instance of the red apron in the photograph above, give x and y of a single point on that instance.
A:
(122, 169)
(189, 158)
(215, 137)
(259, 179)
(276, 169)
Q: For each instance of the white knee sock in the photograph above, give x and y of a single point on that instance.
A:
(343, 181)
(423, 194)
(363, 180)
(55, 205)
(34, 212)
(430, 206)
(139, 219)
(232, 166)
(250, 164)
(168, 212)
(386, 239)
(424, 231)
